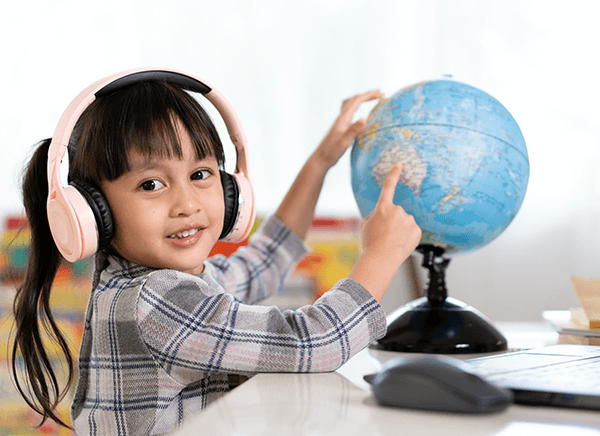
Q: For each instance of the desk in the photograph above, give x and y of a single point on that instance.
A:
(341, 403)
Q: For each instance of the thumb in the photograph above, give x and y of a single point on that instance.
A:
(355, 129)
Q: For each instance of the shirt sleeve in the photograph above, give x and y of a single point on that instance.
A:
(192, 329)
(258, 270)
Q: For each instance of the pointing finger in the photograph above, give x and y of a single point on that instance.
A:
(389, 186)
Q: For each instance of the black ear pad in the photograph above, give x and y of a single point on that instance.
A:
(231, 195)
(101, 210)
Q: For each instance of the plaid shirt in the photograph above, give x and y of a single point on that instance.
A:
(159, 345)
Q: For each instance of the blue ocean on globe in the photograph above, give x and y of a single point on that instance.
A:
(466, 163)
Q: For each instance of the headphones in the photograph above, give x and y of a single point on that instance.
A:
(79, 216)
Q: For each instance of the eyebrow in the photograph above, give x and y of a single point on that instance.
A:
(151, 164)
(148, 164)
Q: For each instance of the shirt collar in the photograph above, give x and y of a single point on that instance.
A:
(119, 267)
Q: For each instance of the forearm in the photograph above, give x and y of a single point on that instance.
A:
(375, 272)
(298, 206)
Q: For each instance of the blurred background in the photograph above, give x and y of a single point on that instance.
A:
(286, 66)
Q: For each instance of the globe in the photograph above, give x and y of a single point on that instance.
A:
(466, 163)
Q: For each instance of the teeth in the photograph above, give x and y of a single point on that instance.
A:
(184, 234)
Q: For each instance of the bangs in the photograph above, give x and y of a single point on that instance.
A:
(144, 117)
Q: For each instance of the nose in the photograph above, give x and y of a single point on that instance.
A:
(185, 201)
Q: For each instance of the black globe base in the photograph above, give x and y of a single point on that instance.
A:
(437, 323)
(451, 328)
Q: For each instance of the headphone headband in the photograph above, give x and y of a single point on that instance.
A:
(73, 224)
(184, 81)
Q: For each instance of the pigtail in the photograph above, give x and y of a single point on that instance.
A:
(34, 377)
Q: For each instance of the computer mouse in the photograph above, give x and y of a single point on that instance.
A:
(437, 383)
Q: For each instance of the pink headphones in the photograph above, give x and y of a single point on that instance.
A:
(79, 216)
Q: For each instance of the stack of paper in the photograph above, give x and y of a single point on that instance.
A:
(572, 326)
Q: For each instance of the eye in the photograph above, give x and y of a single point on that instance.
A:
(151, 185)
(201, 174)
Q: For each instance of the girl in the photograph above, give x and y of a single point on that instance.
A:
(167, 329)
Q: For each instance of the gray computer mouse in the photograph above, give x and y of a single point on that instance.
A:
(437, 383)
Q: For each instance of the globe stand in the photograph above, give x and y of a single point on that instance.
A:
(438, 323)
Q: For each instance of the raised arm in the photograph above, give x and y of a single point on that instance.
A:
(298, 207)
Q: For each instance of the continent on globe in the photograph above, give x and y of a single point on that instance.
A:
(466, 163)
(402, 151)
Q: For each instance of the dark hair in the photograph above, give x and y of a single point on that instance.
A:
(142, 116)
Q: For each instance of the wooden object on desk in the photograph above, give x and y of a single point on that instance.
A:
(588, 291)
(572, 326)
(579, 321)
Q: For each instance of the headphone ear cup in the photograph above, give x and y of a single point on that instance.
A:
(72, 223)
(231, 196)
(239, 207)
(101, 210)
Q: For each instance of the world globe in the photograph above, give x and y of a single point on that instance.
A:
(466, 163)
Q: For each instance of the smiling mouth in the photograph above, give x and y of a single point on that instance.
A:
(184, 234)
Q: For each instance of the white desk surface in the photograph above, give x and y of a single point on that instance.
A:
(341, 403)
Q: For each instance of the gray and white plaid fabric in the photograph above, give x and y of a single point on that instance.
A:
(160, 345)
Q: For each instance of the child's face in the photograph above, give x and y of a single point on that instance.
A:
(168, 212)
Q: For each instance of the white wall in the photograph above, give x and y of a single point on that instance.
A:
(287, 65)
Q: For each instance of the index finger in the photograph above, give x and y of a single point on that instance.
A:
(389, 186)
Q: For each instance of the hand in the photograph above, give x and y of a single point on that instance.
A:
(388, 230)
(298, 207)
(342, 133)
